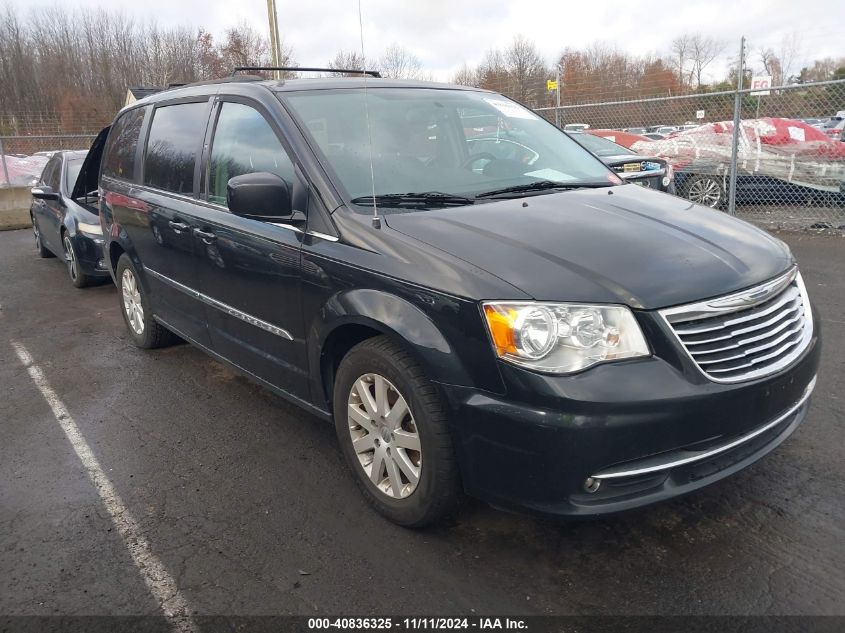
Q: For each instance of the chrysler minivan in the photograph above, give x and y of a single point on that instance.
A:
(517, 324)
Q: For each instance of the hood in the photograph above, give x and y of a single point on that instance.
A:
(612, 245)
(89, 174)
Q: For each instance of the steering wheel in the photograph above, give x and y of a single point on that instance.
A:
(477, 157)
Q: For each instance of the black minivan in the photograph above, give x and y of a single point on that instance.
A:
(526, 329)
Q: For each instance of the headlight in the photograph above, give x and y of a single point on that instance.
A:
(561, 338)
(91, 229)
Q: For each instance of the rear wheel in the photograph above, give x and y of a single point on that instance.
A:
(392, 429)
(705, 190)
(42, 250)
(77, 277)
(145, 331)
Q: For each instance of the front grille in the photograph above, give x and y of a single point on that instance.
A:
(749, 334)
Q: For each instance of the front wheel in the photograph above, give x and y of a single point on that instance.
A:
(705, 190)
(145, 331)
(74, 270)
(392, 429)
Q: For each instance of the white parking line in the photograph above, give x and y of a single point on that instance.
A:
(160, 583)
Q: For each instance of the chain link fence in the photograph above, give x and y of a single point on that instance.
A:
(28, 139)
(789, 147)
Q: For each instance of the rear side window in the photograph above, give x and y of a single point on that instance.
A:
(175, 138)
(123, 140)
(52, 173)
(244, 143)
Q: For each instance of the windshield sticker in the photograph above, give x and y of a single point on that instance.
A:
(796, 133)
(511, 110)
(550, 174)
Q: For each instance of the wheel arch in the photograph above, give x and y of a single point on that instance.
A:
(357, 315)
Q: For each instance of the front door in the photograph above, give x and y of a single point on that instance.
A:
(249, 271)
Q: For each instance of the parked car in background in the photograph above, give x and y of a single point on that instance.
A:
(576, 127)
(780, 161)
(832, 127)
(666, 130)
(634, 130)
(651, 172)
(813, 122)
(654, 136)
(537, 334)
(65, 218)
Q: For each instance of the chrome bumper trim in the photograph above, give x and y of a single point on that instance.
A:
(673, 459)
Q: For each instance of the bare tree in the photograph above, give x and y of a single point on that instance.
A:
(703, 50)
(772, 65)
(399, 63)
(347, 60)
(465, 76)
(681, 48)
(789, 52)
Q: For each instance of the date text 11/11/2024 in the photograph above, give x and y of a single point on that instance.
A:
(419, 624)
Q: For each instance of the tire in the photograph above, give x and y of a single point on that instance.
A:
(705, 190)
(146, 332)
(437, 491)
(42, 250)
(77, 277)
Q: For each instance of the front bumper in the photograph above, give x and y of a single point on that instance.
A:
(648, 430)
(89, 254)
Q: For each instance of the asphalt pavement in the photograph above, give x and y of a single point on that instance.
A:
(246, 504)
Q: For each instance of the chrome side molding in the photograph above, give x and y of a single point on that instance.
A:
(223, 307)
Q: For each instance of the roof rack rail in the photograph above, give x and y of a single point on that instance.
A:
(357, 71)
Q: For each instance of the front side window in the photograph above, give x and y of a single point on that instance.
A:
(244, 143)
(456, 142)
(119, 161)
(175, 138)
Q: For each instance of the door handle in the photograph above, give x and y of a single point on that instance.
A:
(178, 227)
(206, 236)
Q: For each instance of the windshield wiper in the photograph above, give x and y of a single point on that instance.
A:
(541, 185)
(417, 199)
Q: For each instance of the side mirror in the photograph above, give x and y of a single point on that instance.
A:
(44, 193)
(262, 196)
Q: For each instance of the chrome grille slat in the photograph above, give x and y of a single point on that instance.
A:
(794, 318)
(753, 350)
(748, 317)
(757, 361)
(746, 334)
(791, 313)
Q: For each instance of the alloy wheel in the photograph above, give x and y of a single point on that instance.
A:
(37, 236)
(706, 191)
(70, 258)
(132, 301)
(384, 436)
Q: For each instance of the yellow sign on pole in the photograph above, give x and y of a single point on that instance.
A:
(551, 84)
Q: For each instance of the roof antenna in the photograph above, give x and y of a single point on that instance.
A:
(376, 218)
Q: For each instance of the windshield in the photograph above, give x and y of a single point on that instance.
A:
(73, 168)
(452, 142)
(601, 146)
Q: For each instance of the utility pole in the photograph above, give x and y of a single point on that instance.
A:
(737, 122)
(275, 44)
(557, 97)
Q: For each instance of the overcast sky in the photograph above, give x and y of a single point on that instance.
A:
(446, 33)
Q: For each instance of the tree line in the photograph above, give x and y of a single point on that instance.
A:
(76, 65)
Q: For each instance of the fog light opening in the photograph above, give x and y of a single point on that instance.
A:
(592, 485)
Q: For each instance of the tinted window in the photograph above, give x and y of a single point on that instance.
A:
(73, 168)
(175, 137)
(119, 161)
(52, 171)
(243, 143)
